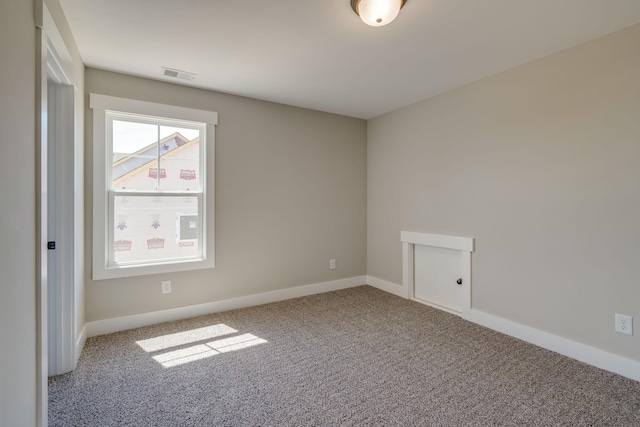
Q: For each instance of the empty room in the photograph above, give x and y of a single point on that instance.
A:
(320, 213)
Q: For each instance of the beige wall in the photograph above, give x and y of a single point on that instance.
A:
(290, 195)
(541, 165)
(17, 214)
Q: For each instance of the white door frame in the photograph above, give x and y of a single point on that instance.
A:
(49, 44)
(41, 227)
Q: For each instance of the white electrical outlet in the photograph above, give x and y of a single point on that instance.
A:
(166, 286)
(624, 324)
(332, 264)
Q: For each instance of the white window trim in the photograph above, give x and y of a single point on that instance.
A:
(100, 104)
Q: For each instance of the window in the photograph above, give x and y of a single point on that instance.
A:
(152, 188)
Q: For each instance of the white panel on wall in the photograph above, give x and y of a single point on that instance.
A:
(437, 270)
(436, 275)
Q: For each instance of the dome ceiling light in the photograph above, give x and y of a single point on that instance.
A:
(377, 12)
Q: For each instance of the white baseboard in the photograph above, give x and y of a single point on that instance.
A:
(593, 356)
(107, 326)
(386, 286)
(590, 355)
(80, 340)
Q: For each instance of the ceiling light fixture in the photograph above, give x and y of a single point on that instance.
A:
(377, 12)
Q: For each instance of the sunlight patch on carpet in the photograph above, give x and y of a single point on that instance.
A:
(181, 338)
(203, 351)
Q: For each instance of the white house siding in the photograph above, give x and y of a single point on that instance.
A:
(149, 228)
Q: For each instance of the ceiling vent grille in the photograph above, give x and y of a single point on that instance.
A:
(177, 74)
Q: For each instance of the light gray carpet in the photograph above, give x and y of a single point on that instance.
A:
(353, 357)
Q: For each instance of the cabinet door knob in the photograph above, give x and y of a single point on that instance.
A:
(459, 281)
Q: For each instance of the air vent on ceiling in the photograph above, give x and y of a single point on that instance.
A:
(177, 74)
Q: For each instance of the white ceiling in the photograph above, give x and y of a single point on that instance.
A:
(318, 54)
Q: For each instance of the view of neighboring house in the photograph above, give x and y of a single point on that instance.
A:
(157, 227)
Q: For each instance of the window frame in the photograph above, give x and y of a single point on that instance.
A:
(103, 194)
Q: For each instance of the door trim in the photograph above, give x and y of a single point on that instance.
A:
(41, 229)
(52, 59)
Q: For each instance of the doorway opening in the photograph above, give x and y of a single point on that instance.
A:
(59, 208)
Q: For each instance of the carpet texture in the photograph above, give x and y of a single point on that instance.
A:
(356, 357)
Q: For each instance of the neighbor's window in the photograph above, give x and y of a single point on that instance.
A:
(153, 207)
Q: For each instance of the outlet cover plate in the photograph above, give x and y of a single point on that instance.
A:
(624, 324)
(166, 286)
(332, 264)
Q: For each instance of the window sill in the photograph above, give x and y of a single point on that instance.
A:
(116, 272)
